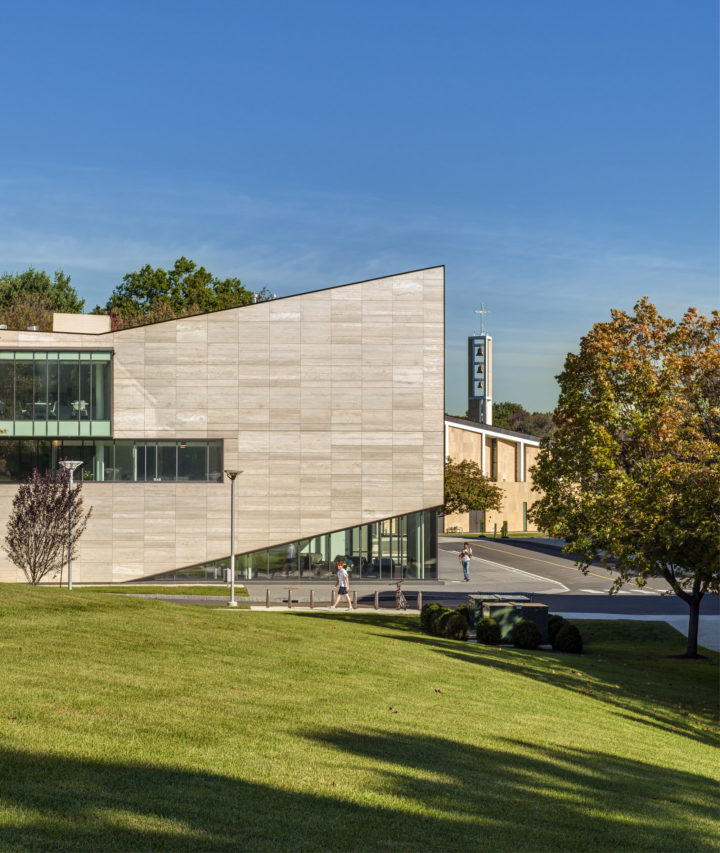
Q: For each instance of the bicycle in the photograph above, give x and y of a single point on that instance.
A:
(400, 600)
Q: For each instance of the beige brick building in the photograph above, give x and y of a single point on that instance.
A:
(330, 402)
(504, 456)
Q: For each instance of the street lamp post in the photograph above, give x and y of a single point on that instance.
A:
(232, 474)
(70, 466)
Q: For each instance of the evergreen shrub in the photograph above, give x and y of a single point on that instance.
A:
(441, 618)
(555, 623)
(526, 635)
(568, 639)
(488, 631)
(466, 612)
(426, 615)
(455, 627)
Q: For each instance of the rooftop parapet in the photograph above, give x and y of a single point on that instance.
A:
(81, 324)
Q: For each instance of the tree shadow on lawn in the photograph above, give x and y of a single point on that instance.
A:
(537, 797)
(412, 793)
(584, 674)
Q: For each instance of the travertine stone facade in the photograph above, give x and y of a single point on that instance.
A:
(516, 453)
(331, 403)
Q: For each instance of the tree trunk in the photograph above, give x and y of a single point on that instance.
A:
(692, 599)
(692, 638)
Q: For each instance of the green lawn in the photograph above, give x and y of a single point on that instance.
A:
(191, 589)
(131, 724)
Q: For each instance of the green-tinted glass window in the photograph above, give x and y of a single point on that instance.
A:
(192, 460)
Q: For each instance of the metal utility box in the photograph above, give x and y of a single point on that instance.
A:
(478, 600)
(507, 615)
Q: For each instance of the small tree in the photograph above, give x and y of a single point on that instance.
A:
(467, 488)
(632, 475)
(37, 532)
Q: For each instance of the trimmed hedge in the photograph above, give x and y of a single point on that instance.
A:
(568, 639)
(488, 631)
(455, 627)
(466, 612)
(526, 635)
(555, 623)
(427, 614)
(444, 622)
(440, 621)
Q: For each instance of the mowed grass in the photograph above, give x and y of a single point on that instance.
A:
(131, 724)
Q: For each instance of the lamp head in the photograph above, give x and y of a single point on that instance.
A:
(70, 465)
(232, 473)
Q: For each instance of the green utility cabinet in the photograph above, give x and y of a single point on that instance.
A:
(507, 611)
(478, 600)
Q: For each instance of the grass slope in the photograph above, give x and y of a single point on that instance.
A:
(130, 724)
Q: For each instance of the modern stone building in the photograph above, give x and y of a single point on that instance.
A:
(506, 457)
(330, 402)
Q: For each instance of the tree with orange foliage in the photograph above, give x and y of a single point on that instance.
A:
(631, 477)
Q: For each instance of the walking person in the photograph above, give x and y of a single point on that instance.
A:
(343, 585)
(464, 560)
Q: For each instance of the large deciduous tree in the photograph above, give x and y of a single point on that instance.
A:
(38, 532)
(514, 416)
(152, 295)
(631, 476)
(502, 411)
(29, 298)
(468, 489)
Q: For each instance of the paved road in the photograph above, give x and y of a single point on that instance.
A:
(540, 570)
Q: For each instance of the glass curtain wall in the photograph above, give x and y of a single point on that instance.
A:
(54, 393)
(400, 547)
(121, 460)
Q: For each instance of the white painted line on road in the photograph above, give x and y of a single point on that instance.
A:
(521, 572)
(595, 591)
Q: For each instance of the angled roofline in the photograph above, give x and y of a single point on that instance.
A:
(250, 304)
(477, 425)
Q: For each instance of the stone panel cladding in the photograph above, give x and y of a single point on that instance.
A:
(331, 402)
(466, 440)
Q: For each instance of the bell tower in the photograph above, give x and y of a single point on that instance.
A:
(480, 373)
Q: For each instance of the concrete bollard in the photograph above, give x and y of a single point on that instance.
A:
(377, 600)
(267, 598)
(419, 601)
(312, 603)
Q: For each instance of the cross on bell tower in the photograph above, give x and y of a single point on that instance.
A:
(482, 312)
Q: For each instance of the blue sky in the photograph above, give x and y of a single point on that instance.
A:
(559, 157)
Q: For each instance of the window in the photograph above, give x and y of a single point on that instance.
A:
(55, 392)
(118, 461)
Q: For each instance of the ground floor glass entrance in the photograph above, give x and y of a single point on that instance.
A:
(400, 547)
